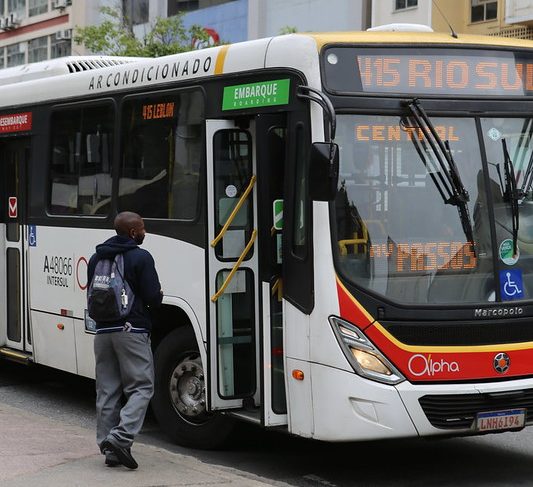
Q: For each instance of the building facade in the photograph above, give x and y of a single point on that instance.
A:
(34, 30)
(37, 30)
(507, 18)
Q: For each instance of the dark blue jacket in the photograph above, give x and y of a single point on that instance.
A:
(139, 271)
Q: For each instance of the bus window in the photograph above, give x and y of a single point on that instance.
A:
(301, 204)
(80, 164)
(233, 172)
(389, 183)
(163, 142)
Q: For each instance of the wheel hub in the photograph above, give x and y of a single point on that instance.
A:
(187, 387)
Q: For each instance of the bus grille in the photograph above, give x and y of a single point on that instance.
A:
(458, 411)
(462, 333)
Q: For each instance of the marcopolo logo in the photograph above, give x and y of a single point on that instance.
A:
(420, 365)
(497, 312)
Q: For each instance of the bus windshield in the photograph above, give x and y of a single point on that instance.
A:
(399, 235)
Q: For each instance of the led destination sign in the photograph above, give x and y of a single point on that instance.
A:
(428, 256)
(153, 111)
(396, 133)
(429, 71)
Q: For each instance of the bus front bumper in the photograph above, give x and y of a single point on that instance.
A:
(347, 407)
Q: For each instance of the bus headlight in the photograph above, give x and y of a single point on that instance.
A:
(364, 357)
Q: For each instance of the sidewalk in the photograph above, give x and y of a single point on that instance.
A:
(39, 452)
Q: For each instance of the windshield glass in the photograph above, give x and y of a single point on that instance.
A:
(397, 233)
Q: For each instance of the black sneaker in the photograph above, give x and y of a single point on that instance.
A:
(123, 454)
(111, 459)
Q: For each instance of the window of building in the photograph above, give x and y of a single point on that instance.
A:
(80, 162)
(482, 10)
(18, 7)
(176, 6)
(2, 8)
(135, 11)
(16, 54)
(2, 54)
(38, 49)
(403, 4)
(37, 7)
(59, 47)
(162, 142)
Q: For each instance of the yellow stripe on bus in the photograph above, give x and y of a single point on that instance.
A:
(221, 57)
(354, 301)
(412, 38)
(508, 347)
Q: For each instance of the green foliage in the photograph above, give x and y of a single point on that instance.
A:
(114, 37)
(288, 29)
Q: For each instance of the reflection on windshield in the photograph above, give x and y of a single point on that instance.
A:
(398, 238)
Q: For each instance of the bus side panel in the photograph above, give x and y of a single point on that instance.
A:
(348, 407)
(181, 269)
(58, 284)
(58, 268)
(53, 337)
(299, 399)
(58, 287)
(84, 350)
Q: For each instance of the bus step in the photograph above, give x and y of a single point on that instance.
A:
(246, 415)
(16, 355)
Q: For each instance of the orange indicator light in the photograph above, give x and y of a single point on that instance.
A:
(298, 374)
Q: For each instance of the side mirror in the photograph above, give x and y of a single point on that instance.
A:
(323, 171)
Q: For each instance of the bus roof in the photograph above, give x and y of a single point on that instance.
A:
(93, 75)
(56, 67)
(416, 37)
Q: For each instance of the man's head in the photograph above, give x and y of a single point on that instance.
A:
(129, 224)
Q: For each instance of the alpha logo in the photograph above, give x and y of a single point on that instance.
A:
(502, 362)
(420, 365)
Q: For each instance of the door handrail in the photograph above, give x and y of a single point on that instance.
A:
(233, 214)
(237, 264)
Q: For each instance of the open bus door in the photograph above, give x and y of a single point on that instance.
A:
(245, 177)
(14, 334)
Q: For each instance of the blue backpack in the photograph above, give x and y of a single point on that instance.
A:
(110, 297)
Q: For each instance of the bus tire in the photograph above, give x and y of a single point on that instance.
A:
(179, 394)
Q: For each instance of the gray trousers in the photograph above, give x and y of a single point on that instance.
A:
(124, 371)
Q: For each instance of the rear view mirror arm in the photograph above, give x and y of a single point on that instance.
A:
(318, 97)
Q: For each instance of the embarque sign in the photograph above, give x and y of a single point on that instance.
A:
(15, 122)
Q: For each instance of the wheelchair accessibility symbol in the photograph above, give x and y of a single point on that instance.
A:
(511, 284)
(32, 236)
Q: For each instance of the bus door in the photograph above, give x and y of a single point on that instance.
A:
(14, 154)
(244, 267)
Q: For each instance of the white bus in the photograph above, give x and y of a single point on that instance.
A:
(342, 225)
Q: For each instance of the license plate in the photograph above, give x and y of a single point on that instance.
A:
(501, 420)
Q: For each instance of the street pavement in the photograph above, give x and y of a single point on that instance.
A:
(37, 451)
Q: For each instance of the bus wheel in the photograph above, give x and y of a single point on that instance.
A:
(179, 398)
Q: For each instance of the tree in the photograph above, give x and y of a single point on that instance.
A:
(114, 36)
(288, 29)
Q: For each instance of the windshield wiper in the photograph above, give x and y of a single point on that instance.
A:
(447, 179)
(512, 194)
(527, 180)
